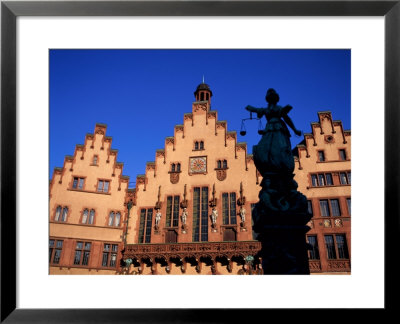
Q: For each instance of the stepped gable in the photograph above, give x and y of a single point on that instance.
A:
(99, 138)
(324, 132)
(200, 108)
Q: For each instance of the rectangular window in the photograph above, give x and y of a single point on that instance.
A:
(78, 183)
(103, 185)
(200, 214)
(321, 179)
(309, 207)
(204, 214)
(348, 200)
(330, 246)
(343, 252)
(345, 178)
(324, 208)
(82, 253)
(229, 208)
(314, 180)
(335, 207)
(146, 219)
(172, 212)
(313, 254)
(321, 156)
(110, 252)
(55, 248)
(342, 155)
(329, 181)
(168, 213)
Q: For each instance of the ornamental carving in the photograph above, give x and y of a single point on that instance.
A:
(315, 266)
(221, 175)
(179, 128)
(188, 117)
(338, 223)
(221, 125)
(325, 116)
(212, 114)
(174, 177)
(150, 166)
(200, 107)
(329, 139)
(240, 147)
(100, 132)
(327, 223)
(231, 136)
(339, 265)
(160, 153)
(169, 141)
(140, 180)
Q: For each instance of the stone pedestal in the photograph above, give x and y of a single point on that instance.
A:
(280, 219)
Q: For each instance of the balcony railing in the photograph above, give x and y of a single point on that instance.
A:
(201, 249)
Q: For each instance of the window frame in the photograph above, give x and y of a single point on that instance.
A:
(109, 253)
(330, 209)
(95, 160)
(54, 248)
(323, 156)
(317, 177)
(232, 215)
(104, 182)
(315, 249)
(340, 155)
(336, 246)
(83, 250)
(77, 187)
(113, 223)
(346, 173)
(87, 222)
(61, 216)
(145, 225)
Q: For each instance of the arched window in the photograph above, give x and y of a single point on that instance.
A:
(173, 167)
(207, 96)
(111, 219)
(196, 145)
(85, 216)
(117, 219)
(201, 145)
(64, 214)
(58, 213)
(219, 166)
(178, 167)
(202, 96)
(91, 217)
(95, 159)
(225, 164)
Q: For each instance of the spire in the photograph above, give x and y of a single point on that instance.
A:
(203, 78)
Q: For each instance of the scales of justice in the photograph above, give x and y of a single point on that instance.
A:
(281, 214)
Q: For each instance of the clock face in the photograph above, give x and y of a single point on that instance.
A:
(198, 164)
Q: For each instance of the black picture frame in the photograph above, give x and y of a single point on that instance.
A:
(10, 10)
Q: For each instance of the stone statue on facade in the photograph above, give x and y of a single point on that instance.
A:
(281, 214)
(184, 216)
(242, 213)
(214, 216)
(158, 218)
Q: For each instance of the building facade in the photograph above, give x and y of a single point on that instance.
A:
(190, 213)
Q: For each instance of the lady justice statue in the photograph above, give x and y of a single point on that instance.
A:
(281, 213)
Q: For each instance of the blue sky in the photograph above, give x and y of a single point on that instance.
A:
(142, 94)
